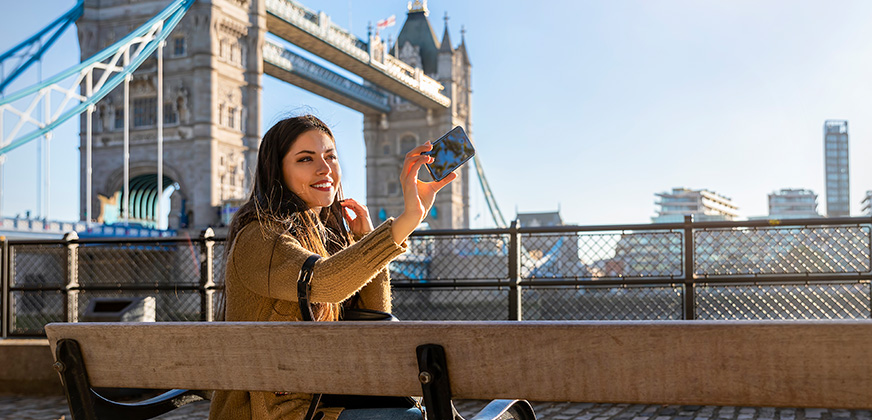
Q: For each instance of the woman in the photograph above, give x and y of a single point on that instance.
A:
(296, 209)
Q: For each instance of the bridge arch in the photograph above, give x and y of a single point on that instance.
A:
(144, 196)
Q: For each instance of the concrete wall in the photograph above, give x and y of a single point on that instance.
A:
(26, 368)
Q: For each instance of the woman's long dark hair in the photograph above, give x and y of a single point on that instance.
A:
(279, 211)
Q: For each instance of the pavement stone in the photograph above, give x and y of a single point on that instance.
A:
(55, 408)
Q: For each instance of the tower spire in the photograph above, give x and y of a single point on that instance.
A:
(446, 38)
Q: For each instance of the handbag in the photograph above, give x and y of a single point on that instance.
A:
(304, 288)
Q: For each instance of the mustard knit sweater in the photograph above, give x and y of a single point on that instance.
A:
(260, 283)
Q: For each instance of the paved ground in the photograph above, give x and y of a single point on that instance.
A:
(54, 408)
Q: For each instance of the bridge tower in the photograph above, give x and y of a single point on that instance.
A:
(390, 135)
(211, 110)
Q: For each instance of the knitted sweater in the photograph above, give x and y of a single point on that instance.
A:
(260, 283)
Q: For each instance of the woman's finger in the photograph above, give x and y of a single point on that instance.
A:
(354, 206)
(426, 147)
(451, 177)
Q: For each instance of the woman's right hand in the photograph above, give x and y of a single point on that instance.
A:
(418, 195)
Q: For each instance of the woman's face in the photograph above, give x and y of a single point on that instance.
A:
(311, 169)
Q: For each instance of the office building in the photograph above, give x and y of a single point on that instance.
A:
(836, 168)
(793, 204)
(703, 204)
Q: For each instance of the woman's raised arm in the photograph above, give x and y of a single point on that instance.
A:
(418, 195)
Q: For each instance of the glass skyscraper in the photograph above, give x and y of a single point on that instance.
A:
(836, 168)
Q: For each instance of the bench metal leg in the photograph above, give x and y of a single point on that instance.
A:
(86, 404)
(435, 383)
(433, 375)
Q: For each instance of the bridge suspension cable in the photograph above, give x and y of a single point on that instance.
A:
(87, 83)
(31, 50)
(103, 66)
(497, 215)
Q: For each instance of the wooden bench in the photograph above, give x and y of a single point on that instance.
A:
(747, 363)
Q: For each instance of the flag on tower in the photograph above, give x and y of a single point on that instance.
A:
(386, 23)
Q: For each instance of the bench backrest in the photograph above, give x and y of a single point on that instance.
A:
(798, 364)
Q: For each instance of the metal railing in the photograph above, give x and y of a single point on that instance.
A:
(766, 269)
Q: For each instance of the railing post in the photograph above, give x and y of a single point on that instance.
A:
(515, 313)
(4, 284)
(689, 292)
(71, 289)
(207, 282)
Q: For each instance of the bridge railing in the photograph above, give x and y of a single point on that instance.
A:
(800, 269)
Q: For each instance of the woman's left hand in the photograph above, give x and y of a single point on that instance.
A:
(360, 224)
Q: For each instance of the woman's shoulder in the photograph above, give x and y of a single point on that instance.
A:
(256, 235)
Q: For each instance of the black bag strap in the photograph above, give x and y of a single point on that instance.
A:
(304, 287)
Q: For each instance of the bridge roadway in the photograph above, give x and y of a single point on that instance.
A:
(55, 407)
(314, 32)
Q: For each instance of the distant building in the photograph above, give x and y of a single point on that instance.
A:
(836, 168)
(704, 205)
(793, 204)
(540, 219)
(548, 255)
(866, 204)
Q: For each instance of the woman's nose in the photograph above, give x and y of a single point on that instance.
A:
(323, 167)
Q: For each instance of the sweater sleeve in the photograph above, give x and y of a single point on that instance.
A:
(271, 264)
(377, 293)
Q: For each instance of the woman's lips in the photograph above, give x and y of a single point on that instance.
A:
(323, 186)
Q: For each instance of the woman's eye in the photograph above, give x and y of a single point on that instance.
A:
(305, 159)
(332, 157)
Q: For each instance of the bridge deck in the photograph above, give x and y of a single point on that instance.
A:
(352, 59)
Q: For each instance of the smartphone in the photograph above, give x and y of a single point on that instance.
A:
(450, 152)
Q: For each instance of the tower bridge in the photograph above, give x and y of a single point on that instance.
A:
(191, 110)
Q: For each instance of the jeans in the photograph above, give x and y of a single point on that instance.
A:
(381, 414)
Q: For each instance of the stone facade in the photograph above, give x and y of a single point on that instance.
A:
(211, 103)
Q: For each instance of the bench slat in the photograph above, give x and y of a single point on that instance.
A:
(799, 364)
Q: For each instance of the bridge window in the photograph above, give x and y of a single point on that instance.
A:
(144, 112)
(386, 149)
(231, 117)
(231, 50)
(407, 143)
(393, 188)
(119, 118)
(179, 47)
(223, 48)
(169, 114)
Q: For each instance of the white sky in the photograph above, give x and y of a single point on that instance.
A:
(589, 106)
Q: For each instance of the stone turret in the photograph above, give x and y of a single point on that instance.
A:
(389, 136)
(211, 106)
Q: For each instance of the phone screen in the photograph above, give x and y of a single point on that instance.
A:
(450, 152)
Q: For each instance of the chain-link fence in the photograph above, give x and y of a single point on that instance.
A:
(803, 269)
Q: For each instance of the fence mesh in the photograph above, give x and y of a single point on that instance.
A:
(38, 265)
(783, 301)
(139, 263)
(602, 255)
(218, 263)
(450, 258)
(170, 305)
(464, 304)
(783, 250)
(31, 310)
(602, 303)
